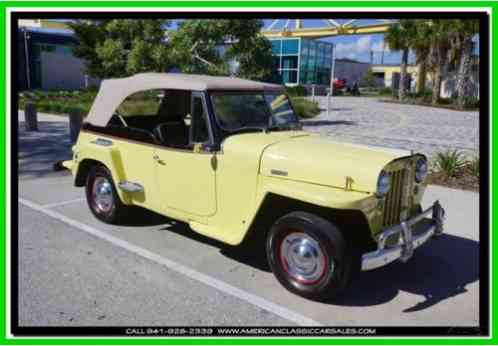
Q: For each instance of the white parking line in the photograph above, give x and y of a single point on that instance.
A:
(58, 204)
(179, 268)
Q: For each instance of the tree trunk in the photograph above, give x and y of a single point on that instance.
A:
(464, 87)
(402, 75)
(441, 73)
(436, 88)
(422, 76)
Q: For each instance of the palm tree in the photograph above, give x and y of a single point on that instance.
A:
(421, 47)
(399, 37)
(439, 33)
(464, 32)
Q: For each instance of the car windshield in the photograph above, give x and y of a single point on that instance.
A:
(237, 111)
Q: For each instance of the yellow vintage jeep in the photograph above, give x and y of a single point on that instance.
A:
(228, 157)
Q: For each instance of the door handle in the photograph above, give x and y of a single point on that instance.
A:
(158, 160)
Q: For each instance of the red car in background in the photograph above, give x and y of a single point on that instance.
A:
(339, 84)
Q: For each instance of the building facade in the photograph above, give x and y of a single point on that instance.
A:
(350, 70)
(302, 61)
(46, 60)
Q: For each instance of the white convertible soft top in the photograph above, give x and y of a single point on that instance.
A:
(114, 91)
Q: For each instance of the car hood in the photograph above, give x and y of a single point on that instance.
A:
(319, 160)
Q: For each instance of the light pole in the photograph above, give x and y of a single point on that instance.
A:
(332, 72)
(26, 54)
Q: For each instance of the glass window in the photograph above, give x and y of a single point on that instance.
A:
(276, 46)
(312, 63)
(141, 103)
(313, 51)
(289, 62)
(200, 132)
(290, 46)
(239, 110)
(303, 62)
(289, 76)
(236, 111)
(281, 109)
(276, 62)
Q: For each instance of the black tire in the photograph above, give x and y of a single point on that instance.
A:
(115, 211)
(333, 273)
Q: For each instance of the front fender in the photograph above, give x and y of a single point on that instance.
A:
(107, 156)
(320, 195)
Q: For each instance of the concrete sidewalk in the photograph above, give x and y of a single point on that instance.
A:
(39, 150)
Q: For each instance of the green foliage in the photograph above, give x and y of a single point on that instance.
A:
(385, 91)
(297, 90)
(59, 102)
(475, 166)
(449, 162)
(471, 102)
(305, 108)
(196, 47)
(120, 47)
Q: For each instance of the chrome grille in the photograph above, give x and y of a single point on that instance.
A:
(394, 201)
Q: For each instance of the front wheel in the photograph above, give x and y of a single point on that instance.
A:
(308, 256)
(102, 197)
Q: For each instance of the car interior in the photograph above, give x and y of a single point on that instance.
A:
(162, 117)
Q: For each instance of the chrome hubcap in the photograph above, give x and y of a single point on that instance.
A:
(102, 194)
(302, 258)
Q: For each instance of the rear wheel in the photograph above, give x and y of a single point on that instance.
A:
(308, 255)
(102, 197)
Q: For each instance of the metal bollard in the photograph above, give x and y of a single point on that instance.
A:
(30, 117)
(328, 104)
(75, 121)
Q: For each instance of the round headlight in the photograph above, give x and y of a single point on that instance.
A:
(383, 184)
(421, 170)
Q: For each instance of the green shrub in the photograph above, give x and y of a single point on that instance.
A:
(57, 107)
(474, 166)
(305, 108)
(385, 91)
(471, 102)
(425, 94)
(449, 162)
(92, 89)
(445, 101)
(297, 90)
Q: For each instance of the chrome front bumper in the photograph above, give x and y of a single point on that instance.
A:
(408, 241)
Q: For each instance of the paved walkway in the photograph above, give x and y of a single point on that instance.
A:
(39, 150)
(369, 121)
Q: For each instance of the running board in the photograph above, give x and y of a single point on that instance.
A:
(130, 186)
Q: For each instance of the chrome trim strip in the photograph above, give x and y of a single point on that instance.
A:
(103, 142)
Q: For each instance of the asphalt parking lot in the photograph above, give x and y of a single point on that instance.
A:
(75, 270)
